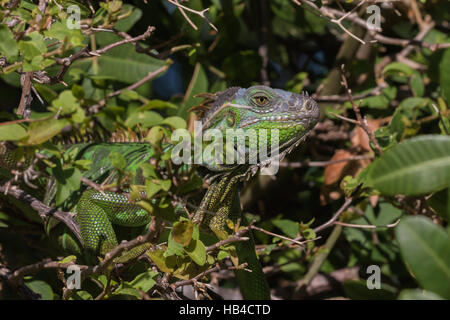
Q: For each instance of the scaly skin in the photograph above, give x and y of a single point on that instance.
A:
(255, 108)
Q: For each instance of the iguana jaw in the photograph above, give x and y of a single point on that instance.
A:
(285, 120)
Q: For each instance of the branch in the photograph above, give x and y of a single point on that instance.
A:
(199, 13)
(337, 98)
(353, 17)
(361, 120)
(366, 226)
(334, 218)
(142, 37)
(44, 210)
(42, 77)
(216, 268)
(17, 276)
(238, 236)
(95, 108)
(22, 290)
(26, 98)
(283, 237)
(308, 163)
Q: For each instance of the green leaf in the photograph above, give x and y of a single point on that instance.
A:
(425, 248)
(152, 188)
(146, 119)
(397, 68)
(59, 31)
(380, 101)
(287, 226)
(8, 46)
(166, 184)
(417, 294)
(117, 160)
(173, 247)
(358, 290)
(182, 232)
(101, 82)
(66, 103)
(124, 64)
(42, 288)
(161, 261)
(145, 281)
(12, 132)
(129, 95)
(154, 135)
(148, 170)
(416, 83)
(33, 45)
(81, 295)
(68, 182)
(126, 23)
(41, 131)
(36, 63)
(222, 255)
(416, 166)
(68, 259)
(158, 104)
(196, 251)
(175, 122)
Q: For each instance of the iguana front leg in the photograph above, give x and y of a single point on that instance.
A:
(221, 202)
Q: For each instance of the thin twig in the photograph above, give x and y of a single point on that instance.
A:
(283, 237)
(366, 226)
(323, 163)
(334, 218)
(95, 108)
(361, 120)
(353, 17)
(199, 13)
(337, 98)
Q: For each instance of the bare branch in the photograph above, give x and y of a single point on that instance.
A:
(322, 163)
(361, 120)
(44, 210)
(366, 226)
(199, 13)
(334, 218)
(353, 17)
(26, 98)
(148, 77)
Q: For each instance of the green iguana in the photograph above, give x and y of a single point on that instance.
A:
(255, 108)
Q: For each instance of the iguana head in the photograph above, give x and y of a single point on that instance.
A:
(261, 107)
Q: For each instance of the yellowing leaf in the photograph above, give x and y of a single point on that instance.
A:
(41, 131)
(182, 232)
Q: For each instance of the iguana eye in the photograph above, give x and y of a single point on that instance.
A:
(261, 100)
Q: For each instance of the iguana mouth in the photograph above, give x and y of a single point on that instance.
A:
(291, 119)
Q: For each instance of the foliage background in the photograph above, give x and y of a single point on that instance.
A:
(405, 90)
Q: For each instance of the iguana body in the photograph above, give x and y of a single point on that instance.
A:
(254, 108)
